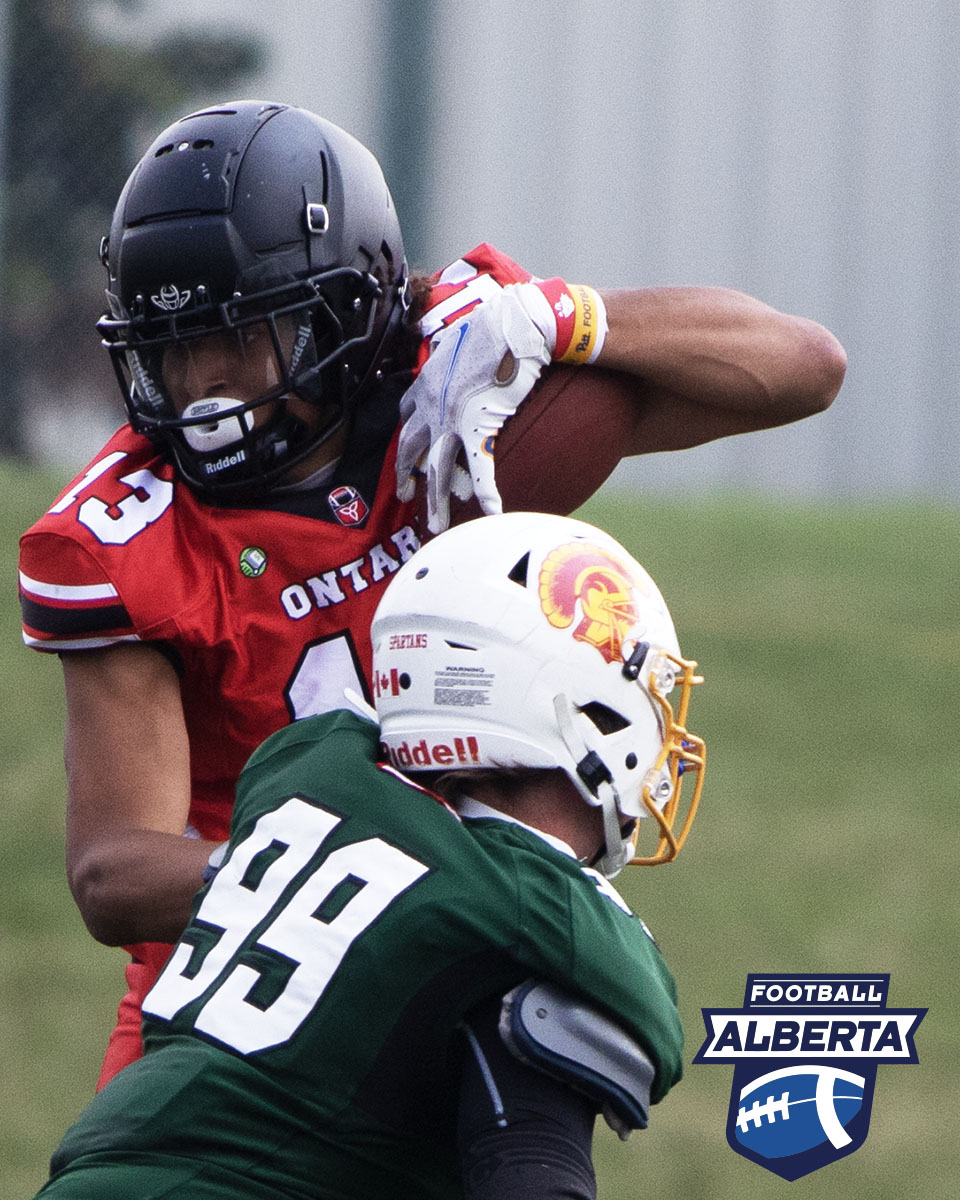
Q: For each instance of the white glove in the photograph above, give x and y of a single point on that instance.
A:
(460, 398)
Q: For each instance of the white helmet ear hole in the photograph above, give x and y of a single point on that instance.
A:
(218, 431)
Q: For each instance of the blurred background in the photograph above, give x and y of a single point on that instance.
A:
(805, 153)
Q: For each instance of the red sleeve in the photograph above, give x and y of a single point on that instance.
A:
(463, 284)
(89, 566)
(66, 600)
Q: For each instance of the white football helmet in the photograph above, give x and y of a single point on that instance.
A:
(530, 640)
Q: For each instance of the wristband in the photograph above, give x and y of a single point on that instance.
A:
(581, 320)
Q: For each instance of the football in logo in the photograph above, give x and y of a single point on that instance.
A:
(805, 1050)
(797, 1108)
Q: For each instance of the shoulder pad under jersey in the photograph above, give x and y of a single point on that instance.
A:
(547, 1028)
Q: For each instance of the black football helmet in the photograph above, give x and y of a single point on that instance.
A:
(252, 218)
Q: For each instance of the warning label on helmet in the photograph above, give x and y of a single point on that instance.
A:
(462, 687)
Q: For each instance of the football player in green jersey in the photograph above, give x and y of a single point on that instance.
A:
(408, 974)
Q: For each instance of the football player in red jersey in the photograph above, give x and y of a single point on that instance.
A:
(212, 575)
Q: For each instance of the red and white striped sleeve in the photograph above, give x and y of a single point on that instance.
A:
(66, 600)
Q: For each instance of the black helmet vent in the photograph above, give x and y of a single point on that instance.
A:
(606, 719)
(518, 572)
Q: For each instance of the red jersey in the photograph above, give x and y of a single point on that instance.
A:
(265, 611)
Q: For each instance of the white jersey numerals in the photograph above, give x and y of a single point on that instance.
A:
(324, 671)
(312, 928)
(116, 524)
(149, 499)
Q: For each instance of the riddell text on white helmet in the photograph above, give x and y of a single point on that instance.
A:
(465, 751)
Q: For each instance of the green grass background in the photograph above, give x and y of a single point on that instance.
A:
(827, 840)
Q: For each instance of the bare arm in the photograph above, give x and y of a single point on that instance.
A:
(131, 871)
(682, 366)
(715, 362)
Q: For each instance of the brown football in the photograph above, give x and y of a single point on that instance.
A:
(562, 443)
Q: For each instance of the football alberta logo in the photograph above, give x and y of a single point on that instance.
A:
(805, 1051)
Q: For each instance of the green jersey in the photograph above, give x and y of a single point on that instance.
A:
(302, 1040)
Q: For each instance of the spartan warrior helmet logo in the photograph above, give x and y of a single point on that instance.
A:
(171, 299)
(588, 585)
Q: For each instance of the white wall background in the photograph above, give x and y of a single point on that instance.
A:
(804, 152)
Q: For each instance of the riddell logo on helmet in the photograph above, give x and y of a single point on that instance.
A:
(228, 460)
(303, 340)
(464, 751)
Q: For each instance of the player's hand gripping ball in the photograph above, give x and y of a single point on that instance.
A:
(560, 445)
(481, 367)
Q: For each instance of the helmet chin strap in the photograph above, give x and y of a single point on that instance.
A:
(590, 767)
(618, 850)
